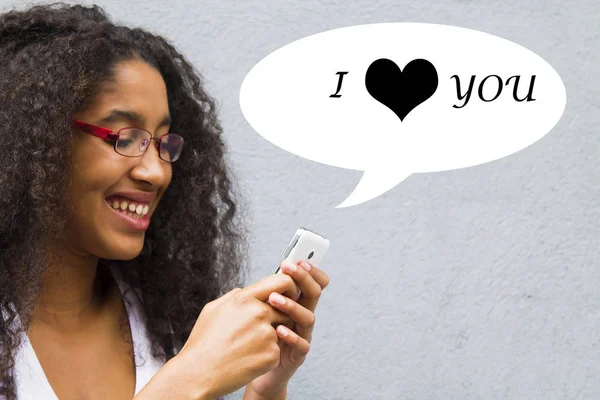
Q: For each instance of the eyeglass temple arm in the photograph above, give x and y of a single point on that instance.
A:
(95, 130)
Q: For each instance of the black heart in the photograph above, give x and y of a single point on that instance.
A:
(401, 91)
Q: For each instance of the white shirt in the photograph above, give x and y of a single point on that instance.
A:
(32, 383)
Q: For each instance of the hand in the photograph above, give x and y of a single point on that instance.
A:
(234, 339)
(295, 342)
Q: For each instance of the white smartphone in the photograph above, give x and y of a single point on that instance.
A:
(305, 246)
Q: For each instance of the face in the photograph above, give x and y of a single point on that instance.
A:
(113, 196)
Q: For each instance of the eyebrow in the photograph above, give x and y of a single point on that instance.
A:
(131, 116)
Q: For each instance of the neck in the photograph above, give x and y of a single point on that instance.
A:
(73, 291)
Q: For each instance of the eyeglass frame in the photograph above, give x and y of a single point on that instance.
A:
(109, 134)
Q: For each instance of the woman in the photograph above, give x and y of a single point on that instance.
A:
(119, 243)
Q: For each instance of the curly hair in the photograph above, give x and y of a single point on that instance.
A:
(54, 58)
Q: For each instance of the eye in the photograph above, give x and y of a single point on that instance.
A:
(130, 137)
(124, 142)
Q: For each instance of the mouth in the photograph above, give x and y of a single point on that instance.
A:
(135, 214)
(131, 208)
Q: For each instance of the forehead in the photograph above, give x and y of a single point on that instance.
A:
(136, 86)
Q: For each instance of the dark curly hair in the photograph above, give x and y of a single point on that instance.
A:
(54, 57)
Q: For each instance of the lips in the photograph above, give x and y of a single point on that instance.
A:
(132, 208)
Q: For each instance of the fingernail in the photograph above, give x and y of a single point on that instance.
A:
(283, 331)
(277, 299)
(305, 265)
(290, 267)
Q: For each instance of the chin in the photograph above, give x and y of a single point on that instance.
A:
(125, 250)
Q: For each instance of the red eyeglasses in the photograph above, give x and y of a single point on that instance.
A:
(133, 142)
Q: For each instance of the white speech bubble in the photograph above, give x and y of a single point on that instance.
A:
(286, 99)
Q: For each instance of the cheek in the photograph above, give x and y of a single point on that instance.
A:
(90, 178)
(86, 196)
(92, 174)
(92, 166)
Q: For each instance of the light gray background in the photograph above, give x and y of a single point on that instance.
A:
(479, 283)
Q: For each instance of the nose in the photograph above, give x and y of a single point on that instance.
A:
(150, 168)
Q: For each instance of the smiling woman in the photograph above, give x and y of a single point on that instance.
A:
(120, 247)
(104, 175)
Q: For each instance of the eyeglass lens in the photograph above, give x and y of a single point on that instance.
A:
(134, 142)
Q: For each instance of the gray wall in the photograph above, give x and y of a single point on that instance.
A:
(480, 283)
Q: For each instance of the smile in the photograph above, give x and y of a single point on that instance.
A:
(134, 214)
(130, 208)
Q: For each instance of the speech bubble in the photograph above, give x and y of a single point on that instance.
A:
(394, 99)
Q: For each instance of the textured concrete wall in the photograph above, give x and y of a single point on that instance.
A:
(479, 283)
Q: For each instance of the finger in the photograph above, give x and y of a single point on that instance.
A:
(303, 278)
(275, 316)
(292, 294)
(311, 290)
(304, 319)
(279, 283)
(300, 346)
(318, 275)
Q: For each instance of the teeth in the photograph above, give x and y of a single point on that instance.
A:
(131, 209)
